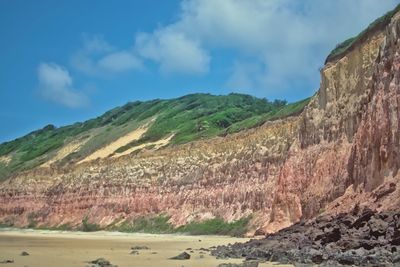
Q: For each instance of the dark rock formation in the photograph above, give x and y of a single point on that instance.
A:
(244, 264)
(100, 262)
(365, 238)
(140, 248)
(182, 256)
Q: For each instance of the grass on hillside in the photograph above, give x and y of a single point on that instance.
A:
(203, 116)
(188, 118)
(342, 47)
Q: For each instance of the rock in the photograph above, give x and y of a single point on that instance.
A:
(365, 216)
(134, 252)
(7, 261)
(24, 253)
(371, 241)
(250, 264)
(101, 262)
(182, 256)
(244, 264)
(317, 258)
(396, 258)
(378, 227)
(259, 231)
(346, 260)
(140, 248)
(331, 235)
(395, 241)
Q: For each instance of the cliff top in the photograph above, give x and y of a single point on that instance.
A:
(377, 25)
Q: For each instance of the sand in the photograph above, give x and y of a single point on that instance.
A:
(157, 144)
(109, 149)
(5, 159)
(64, 151)
(70, 249)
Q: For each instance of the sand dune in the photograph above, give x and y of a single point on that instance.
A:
(63, 152)
(157, 144)
(109, 149)
(5, 159)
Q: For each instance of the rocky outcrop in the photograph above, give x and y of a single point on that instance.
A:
(342, 150)
(361, 238)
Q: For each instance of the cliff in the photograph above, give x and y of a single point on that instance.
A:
(342, 150)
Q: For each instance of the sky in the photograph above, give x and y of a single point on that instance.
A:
(71, 60)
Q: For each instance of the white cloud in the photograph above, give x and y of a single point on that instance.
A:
(119, 62)
(98, 57)
(273, 46)
(56, 85)
(173, 51)
(96, 44)
(287, 40)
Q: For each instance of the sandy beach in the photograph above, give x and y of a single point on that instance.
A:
(75, 249)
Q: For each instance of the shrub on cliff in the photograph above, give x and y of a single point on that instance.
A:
(216, 226)
(89, 227)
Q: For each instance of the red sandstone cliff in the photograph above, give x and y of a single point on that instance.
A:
(341, 151)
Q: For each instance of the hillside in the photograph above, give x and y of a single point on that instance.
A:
(141, 125)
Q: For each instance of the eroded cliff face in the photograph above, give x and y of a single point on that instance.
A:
(229, 177)
(348, 141)
(341, 151)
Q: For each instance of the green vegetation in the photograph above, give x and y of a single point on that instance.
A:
(159, 225)
(187, 118)
(147, 224)
(5, 225)
(200, 116)
(379, 23)
(89, 227)
(285, 111)
(62, 227)
(154, 224)
(216, 226)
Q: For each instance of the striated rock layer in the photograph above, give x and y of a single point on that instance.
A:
(342, 150)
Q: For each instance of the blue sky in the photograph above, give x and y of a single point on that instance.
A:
(67, 61)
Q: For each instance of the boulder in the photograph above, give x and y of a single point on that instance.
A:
(378, 227)
(100, 262)
(182, 256)
(140, 248)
